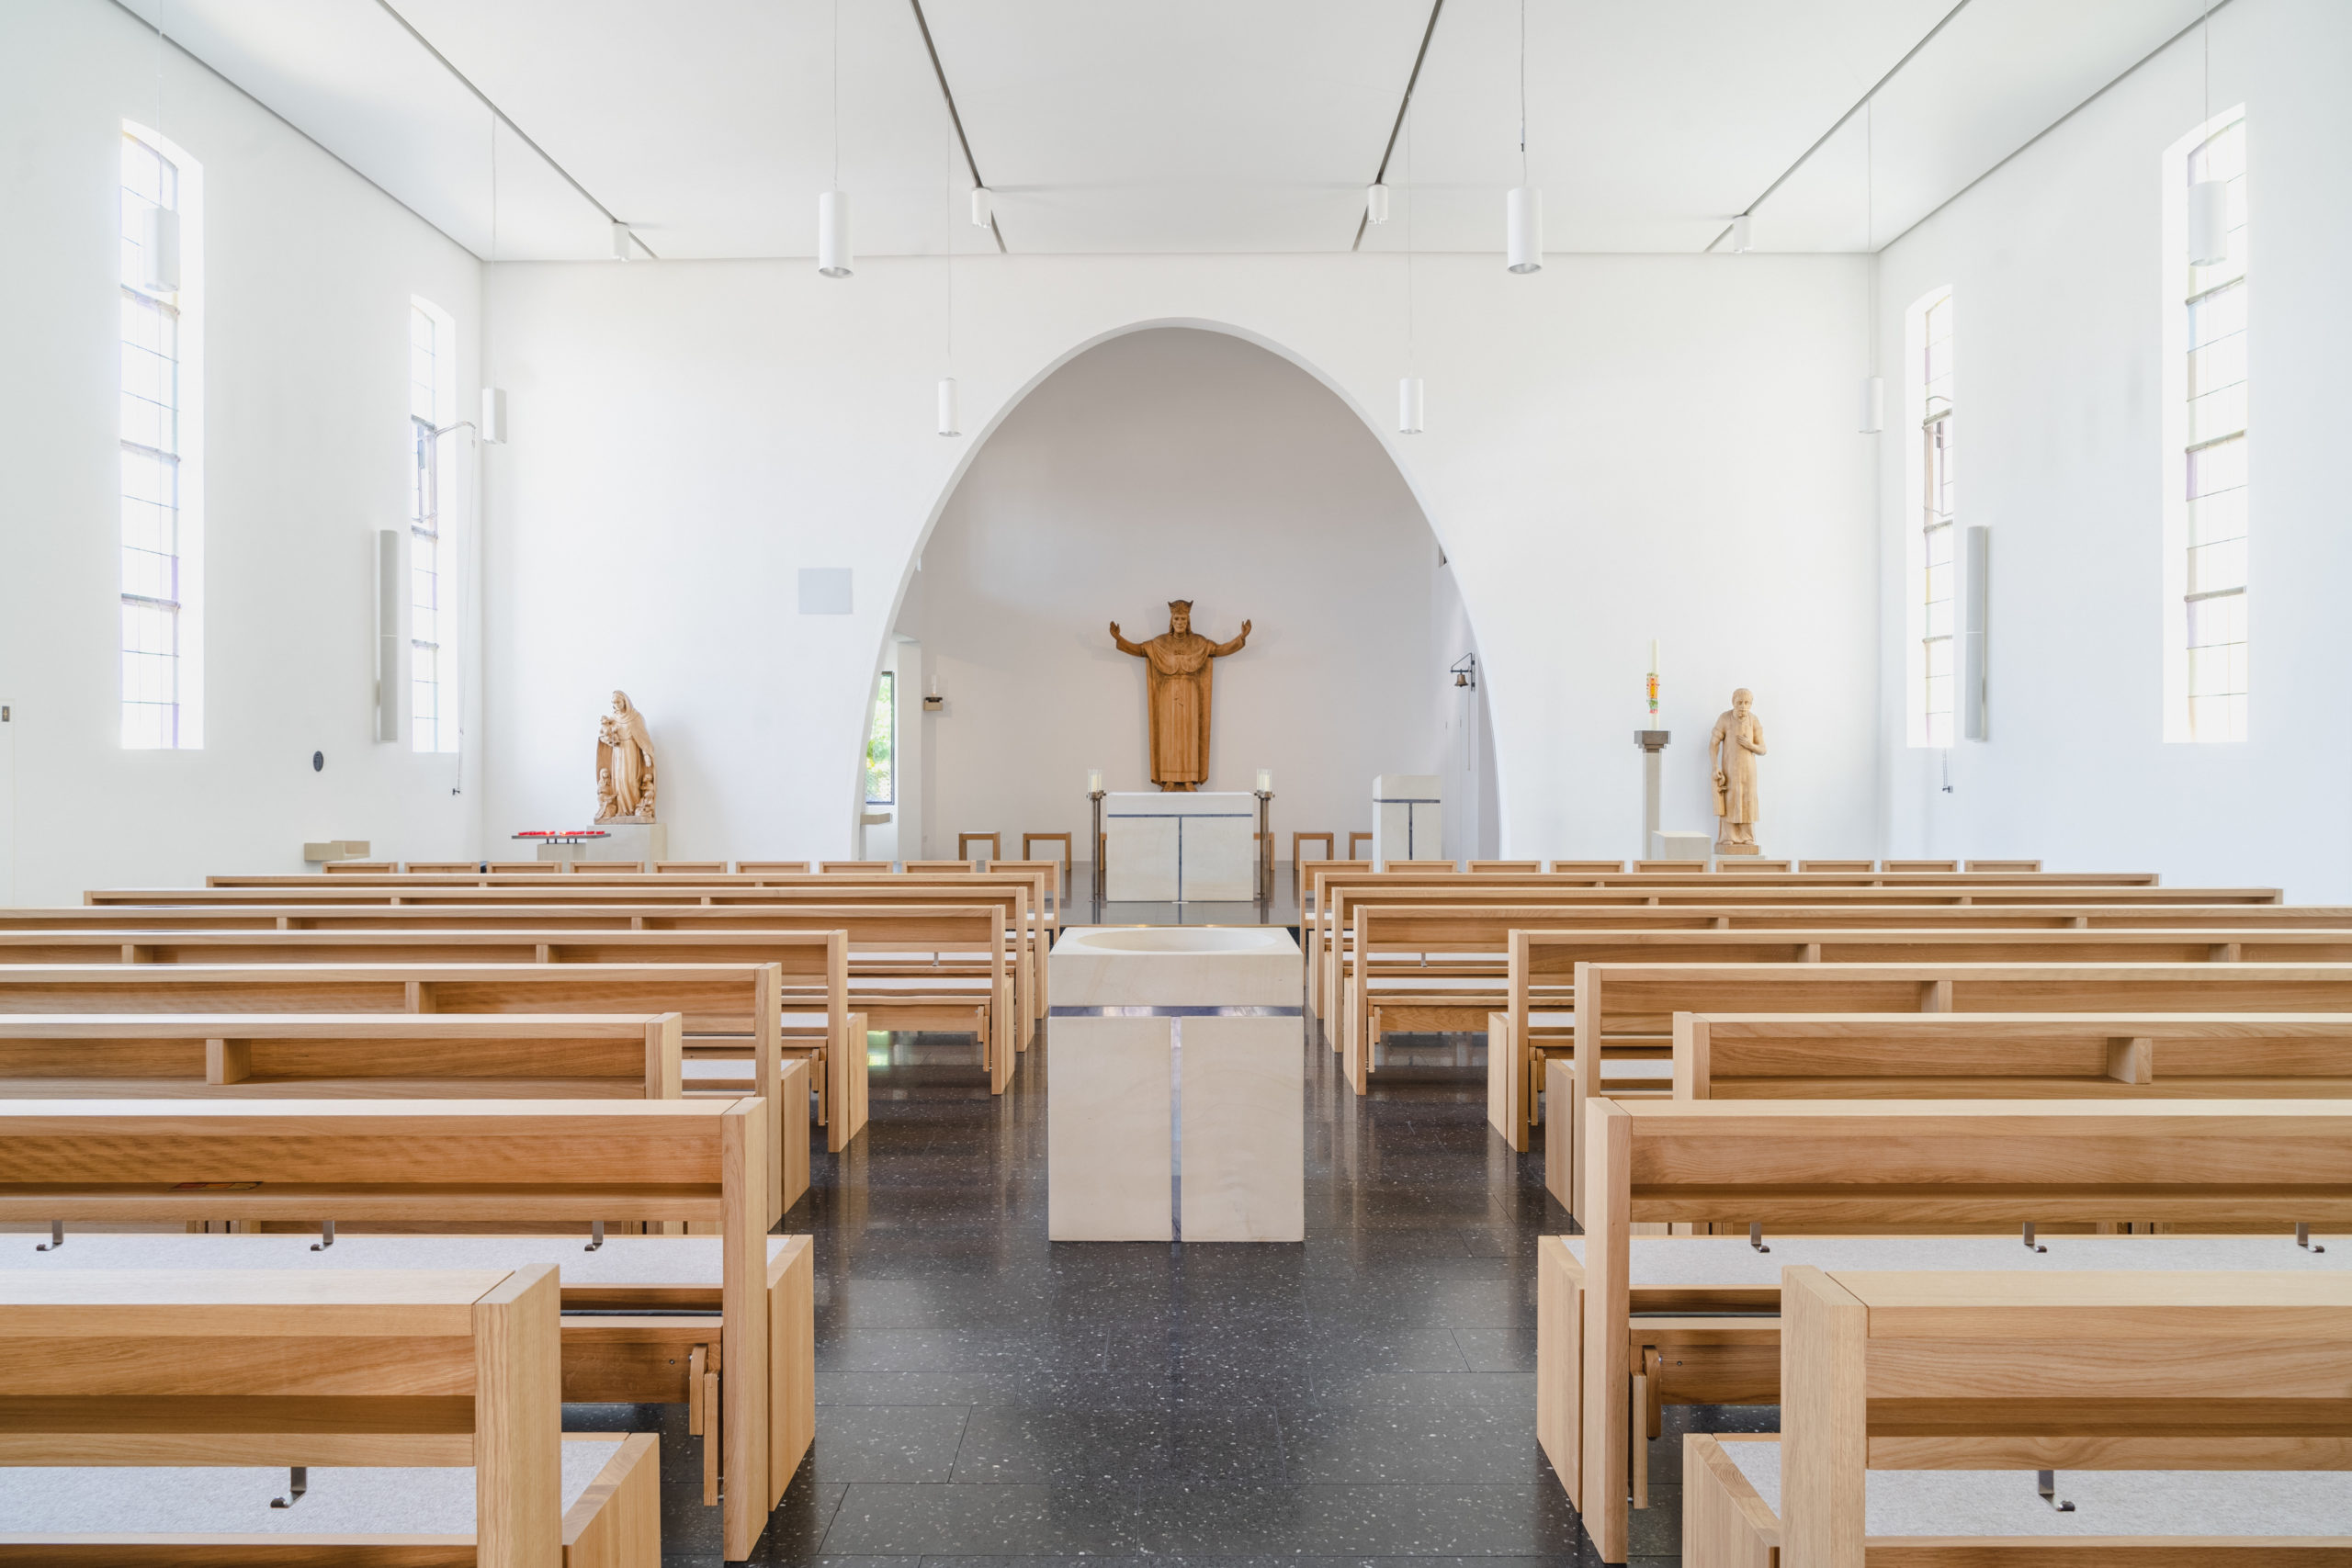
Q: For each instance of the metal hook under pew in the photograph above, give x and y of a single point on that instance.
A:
(595, 1230)
(2033, 1246)
(2045, 1482)
(57, 1237)
(1756, 1235)
(326, 1230)
(297, 1482)
(2304, 1236)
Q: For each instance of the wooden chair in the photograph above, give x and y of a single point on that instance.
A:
(2204, 1377)
(1804, 1168)
(850, 867)
(1749, 863)
(1845, 865)
(180, 1367)
(1028, 839)
(1497, 867)
(1355, 838)
(2025, 867)
(437, 1164)
(360, 867)
(690, 867)
(777, 867)
(1917, 865)
(1299, 840)
(964, 842)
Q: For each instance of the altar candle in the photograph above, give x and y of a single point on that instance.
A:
(1094, 781)
(1265, 781)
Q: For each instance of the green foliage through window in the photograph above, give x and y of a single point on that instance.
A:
(882, 745)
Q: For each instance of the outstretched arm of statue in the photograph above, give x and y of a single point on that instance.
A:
(1124, 646)
(1221, 650)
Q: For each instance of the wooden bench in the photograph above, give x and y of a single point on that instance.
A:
(427, 1164)
(1950, 1056)
(731, 1012)
(1546, 968)
(1450, 958)
(1808, 1166)
(1628, 1010)
(112, 1380)
(2203, 1377)
(777, 867)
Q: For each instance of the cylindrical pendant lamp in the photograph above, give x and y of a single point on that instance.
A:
(947, 425)
(621, 238)
(2208, 223)
(1524, 223)
(832, 233)
(983, 207)
(1743, 234)
(1874, 404)
(494, 415)
(1409, 405)
(1375, 203)
(159, 245)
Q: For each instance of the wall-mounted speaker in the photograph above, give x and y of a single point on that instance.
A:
(392, 634)
(1975, 580)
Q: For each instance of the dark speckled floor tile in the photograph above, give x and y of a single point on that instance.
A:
(989, 1399)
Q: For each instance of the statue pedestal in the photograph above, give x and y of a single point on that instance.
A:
(1723, 849)
(1680, 846)
(647, 842)
(1171, 848)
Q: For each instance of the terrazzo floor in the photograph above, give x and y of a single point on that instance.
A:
(988, 1397)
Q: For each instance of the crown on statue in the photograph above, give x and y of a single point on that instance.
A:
(1176, 605)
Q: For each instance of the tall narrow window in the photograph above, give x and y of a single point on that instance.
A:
(882, 744)
(432, 626)
(2206, 521)
(1930, 550)
(160, 568)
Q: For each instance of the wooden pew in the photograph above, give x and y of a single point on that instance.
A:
(1808, 1166)
(2188, 1373)
(1545, 969)
(1628, 1010)
(1949, 1055)
(451, 1162)
(1446, 967)
(814, 956)
(1025, 896)
(731, 1013)
(107, 1373)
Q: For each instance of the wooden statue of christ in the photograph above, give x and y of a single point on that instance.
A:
(1178, 677)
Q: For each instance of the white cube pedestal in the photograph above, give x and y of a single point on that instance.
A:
(1170, 847)
(1681, 846)
(1406, 820)
(1171, 1116)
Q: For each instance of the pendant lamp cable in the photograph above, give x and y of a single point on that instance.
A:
(159, 67)
(1870, 214)
(493, 188)
(2205, 41)
(1522, 92)
(837, 95)
(1412, 200)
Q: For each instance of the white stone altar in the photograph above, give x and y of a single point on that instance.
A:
(1174, 846)
(1405, 819)
(1178, 1107)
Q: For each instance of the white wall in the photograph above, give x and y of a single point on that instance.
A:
(1619, 448)
(1175, 464)
(307, 272)
(2057, 272)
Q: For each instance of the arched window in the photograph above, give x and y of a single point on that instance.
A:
(1929, 553)
(431, 522)
(162, 552)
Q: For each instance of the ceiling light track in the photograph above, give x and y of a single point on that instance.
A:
(1803, 158)
(955, 119)
(508, 120)
(1403, 107)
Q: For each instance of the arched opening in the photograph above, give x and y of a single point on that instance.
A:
(1165, 463)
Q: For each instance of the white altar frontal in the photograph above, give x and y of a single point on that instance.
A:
(1173, 847)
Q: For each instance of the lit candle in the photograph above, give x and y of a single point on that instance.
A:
(1265, 781)
(1094, 781)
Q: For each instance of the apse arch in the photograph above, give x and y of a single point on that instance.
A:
(1369, 477)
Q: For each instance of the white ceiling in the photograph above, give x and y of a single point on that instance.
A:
(1165, 125)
